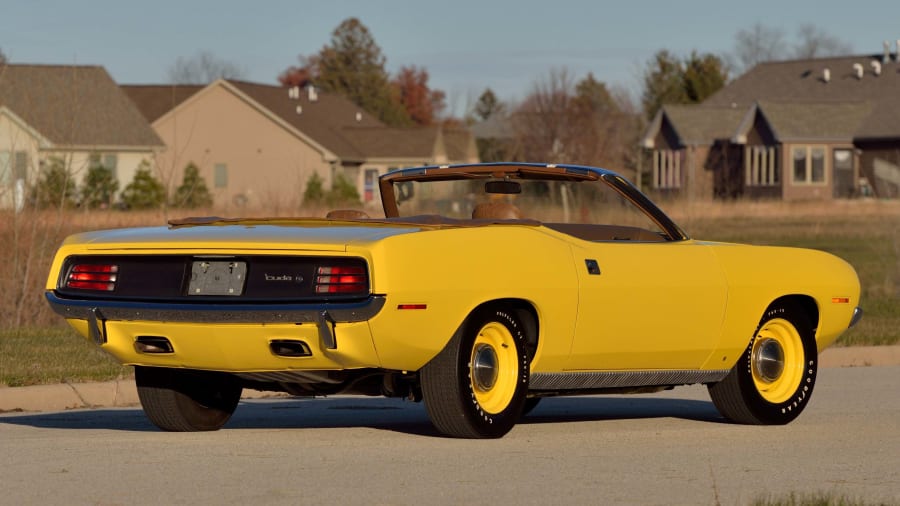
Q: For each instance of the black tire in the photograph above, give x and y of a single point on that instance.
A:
(466, 401)
(757, 391)
(183, 400)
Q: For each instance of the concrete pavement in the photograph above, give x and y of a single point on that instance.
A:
(124, 393)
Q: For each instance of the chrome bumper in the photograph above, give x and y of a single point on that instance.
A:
(324, 315)
(857, 316)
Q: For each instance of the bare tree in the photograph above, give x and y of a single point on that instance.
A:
(202, 68)
(583, 122)
(758, 44)
(814, 42)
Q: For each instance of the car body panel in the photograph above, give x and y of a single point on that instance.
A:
(659, 308)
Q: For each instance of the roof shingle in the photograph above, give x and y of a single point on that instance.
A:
(76, 106)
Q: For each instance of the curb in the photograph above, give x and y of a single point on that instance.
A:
(123, 393)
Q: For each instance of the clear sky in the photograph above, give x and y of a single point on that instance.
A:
(465, 45)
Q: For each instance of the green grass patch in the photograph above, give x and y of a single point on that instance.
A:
(815, 499)
(53, 355)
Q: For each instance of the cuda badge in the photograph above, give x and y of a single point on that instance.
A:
(283, 277)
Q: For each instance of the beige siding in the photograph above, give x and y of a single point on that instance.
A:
(267, 165)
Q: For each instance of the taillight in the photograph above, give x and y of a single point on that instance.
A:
(341, 279)
(100, 277)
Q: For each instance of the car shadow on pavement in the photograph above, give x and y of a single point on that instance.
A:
(393, 415)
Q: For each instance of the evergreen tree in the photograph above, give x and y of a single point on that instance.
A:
(193, 192)
(99, 187)
(342, 193)
(144, 191)
(56, 186)
(487, 105)
(353, 66)
(703, 76)
(669, 80)
(314, 193)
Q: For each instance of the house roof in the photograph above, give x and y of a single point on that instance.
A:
(798, 121)
(851, 80)
(840, 98)
(328, 119)
(155, 100)
(74, 106)
(694, 125)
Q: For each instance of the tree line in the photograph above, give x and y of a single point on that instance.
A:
(562, 118)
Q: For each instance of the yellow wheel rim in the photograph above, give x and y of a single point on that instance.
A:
(777, 360)
(493, 370)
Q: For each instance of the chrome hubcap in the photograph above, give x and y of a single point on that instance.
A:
(484, 368)
(768, 360)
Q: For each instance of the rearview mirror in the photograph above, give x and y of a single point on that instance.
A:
(503, 187)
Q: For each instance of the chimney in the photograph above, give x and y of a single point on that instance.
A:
(826, 75)
(887, 52)
(294, 92)
(858, 70)
(876, 67)
(358, 117)
(897, 53)
(311, 93)
(299, 109)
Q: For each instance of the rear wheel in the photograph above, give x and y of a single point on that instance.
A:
(183, 400)
(774, 379)
(476, 386)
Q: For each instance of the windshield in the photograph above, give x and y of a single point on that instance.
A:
(550, 201)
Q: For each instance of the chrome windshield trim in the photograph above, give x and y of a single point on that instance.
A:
(336, 312)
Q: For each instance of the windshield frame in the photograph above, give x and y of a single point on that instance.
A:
(388, 183)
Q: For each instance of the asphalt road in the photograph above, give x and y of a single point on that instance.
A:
(666, 448)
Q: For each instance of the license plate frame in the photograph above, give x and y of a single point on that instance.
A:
(217, 277)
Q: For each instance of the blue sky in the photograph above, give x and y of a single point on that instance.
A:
(465, 45)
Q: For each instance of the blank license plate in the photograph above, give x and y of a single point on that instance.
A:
(217, 277)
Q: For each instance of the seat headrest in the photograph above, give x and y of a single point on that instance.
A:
(496, 211)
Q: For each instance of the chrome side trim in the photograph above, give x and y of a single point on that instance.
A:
(857, 316)
(619, 379)
(317, 313)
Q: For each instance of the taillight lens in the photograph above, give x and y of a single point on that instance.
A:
(341, 279)
(100, 277)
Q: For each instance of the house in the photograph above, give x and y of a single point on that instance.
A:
(814, 129)
(258, 145)
(70, 114)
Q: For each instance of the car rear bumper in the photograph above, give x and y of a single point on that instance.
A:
(324, 315)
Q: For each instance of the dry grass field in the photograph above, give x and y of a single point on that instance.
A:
(36, 347)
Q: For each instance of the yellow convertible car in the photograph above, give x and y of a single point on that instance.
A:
(481, 289)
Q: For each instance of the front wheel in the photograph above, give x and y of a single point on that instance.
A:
(476, 386)
(774, 379)
(183, 400)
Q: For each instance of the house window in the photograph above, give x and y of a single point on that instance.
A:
(666, 169)
(109, 161)
(5, 169)
(761, 164)
(20, 166)
(370, 185)
(809, 164)
(220, 175)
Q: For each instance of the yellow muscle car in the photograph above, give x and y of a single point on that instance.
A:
(481, 289)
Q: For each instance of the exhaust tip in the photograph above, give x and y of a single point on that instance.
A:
(289, 348)
(153, 345)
